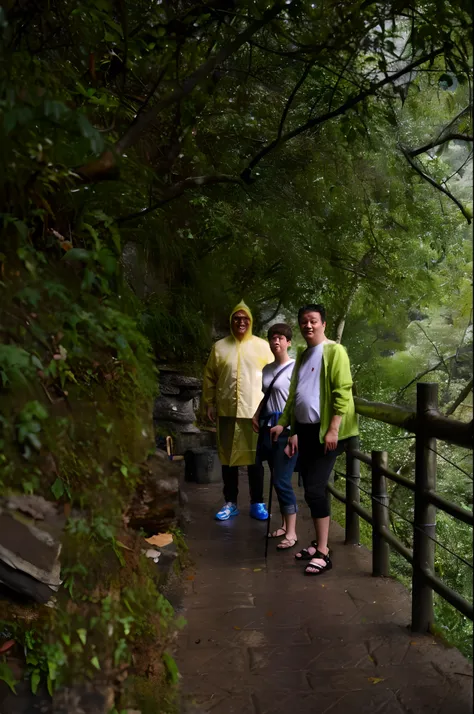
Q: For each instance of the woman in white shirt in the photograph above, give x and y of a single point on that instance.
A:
(276, 378)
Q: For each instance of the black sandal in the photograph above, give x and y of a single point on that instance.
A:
(318, 569)
(304, 554)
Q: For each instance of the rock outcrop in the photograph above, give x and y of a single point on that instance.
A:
(30, 545)
(175, 407)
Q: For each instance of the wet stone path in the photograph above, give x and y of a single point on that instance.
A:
(265, 639)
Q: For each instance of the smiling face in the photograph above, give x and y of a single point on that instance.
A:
(240, 324)
(312, 328)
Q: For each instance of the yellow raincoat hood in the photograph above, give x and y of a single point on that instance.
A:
(233, 384)
(242, 306)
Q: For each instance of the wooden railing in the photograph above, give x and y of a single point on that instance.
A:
(428, 425)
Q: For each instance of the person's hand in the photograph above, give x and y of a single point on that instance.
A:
(292, 447)
(211, 413)
(275, 432)
(330, 440)
(255, 424)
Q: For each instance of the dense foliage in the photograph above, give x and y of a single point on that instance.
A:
(162, 160)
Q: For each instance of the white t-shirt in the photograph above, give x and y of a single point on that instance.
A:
(307, 406)
(279, 395)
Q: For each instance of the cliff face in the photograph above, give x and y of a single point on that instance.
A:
(81, 487)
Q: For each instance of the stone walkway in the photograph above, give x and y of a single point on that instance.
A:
(263, 638)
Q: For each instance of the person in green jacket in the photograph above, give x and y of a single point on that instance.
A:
(320, 410)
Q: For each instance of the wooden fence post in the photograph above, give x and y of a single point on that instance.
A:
(380, 547)
(352, 494)
(425, 513)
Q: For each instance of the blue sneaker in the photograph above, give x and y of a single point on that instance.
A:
(227, 511)
(258, 511)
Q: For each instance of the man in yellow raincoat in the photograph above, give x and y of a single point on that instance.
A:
(231, 395)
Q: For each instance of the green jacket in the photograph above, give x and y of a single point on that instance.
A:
(335, 392)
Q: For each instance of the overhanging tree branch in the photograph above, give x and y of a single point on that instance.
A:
(143, 122)
(353, 290)
(273, 315)
(178, 189)
(463, 394)
(467, 215)
(452, 123)
(348, 104)
(94, 170)
(422, 374)
(301, 80)
(439, 142)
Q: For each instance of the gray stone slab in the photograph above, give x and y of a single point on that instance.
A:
(262, 638)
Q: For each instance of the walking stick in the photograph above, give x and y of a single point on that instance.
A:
(274, 421)
(269, 513)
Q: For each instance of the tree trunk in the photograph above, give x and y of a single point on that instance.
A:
(355, 285)
(341, 320)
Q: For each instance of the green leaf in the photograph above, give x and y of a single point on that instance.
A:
(34, 441)
(114, 25)
(37, 362)
(33, 410)
(95, 662)
(54, 109)
(30, 296)
(171, 667)
(122, 342)
(15, 365)
(77, 254)
(82, 635)
(88, 132)
(6, 675)
(35, 680)
(9, 121)
(180, 622)
(22, 229)
(58, 489)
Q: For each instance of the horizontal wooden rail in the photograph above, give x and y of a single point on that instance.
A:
(448, 594)
(397, 545)
(439, 427)
(367, 517)
(392, 475)
(360, 510)
(459, 513)
(428, 425)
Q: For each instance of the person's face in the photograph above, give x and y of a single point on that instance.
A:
(312, 328)
(240, 324)
(279, 344)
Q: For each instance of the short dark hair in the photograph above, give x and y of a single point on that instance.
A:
(280, 328)
(312, 308)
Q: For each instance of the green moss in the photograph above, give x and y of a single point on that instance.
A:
(77, 381)
(181, 546)
(152, 695)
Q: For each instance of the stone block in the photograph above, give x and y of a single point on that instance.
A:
(202, 466)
